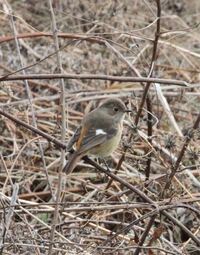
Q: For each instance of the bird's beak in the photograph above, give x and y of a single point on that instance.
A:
(127, 110)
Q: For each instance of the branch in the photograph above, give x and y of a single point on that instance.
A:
(181, 154)
(155, 45)
(11, 77)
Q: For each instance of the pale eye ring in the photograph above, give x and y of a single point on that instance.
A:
(116, 109)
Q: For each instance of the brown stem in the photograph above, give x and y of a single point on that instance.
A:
(155, 45)
(181, 154)
(11, 77)
(144, 235)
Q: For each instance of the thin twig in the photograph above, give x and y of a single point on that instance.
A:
(155, 44)
(181, 154)
(63, 130)
(93, 77)
(144, 235)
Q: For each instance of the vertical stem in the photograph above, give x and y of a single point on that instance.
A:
(144, 235)
(155, 45)
(149, 132)
(63, 129)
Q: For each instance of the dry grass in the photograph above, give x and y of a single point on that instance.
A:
(45, 212)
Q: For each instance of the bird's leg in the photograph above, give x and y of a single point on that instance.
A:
(106, 164)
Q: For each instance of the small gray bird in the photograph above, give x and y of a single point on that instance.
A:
(99, 133)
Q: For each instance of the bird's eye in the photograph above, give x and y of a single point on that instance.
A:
(116, 109)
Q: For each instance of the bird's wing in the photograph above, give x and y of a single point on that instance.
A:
(94, 137)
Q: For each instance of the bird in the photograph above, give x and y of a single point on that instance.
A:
(99, 133)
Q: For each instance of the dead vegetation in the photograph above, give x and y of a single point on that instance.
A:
(148, 200)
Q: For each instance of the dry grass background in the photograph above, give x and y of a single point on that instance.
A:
(45, 212)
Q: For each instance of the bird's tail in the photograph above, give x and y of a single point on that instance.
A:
(71, 164)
